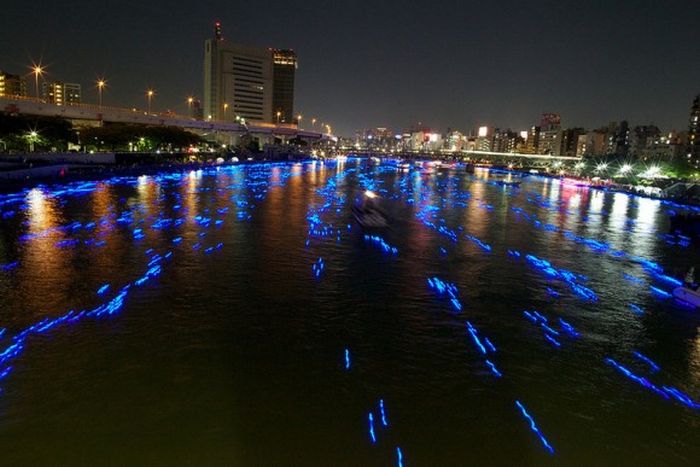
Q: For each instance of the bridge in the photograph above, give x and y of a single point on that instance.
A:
(91, 114)
(523, 155)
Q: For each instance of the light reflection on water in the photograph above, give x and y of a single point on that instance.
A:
(246, 345)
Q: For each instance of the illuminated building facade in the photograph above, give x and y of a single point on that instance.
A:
(283, 73)
(12, 85)
(694, 133)
(247, 82)
(59, 93)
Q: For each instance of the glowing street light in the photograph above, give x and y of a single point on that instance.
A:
(37, 70)
(313, 122)
(279, 114)
(299, 120)
(225, 109)
(32, 137)
(149, 97)
(190, 100)
(602, 167)
(101, 83)
(625, 169)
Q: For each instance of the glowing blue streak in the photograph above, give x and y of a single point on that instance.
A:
(647, 360)
(102, 289)
(371, 428)
(493, 368)
(381, 410)
(639, 379)
(534, 428)
(347, 359)
(399, 457)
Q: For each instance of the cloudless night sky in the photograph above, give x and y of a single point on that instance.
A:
(455, 63)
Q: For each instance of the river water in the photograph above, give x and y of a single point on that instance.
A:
(240, 316)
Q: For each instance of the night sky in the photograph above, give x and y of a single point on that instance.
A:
(453, 64)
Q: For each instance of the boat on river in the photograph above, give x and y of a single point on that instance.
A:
(368, 214)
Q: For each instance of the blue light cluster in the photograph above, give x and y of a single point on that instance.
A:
(377, 240)
(570, 278)
(318, 267)
(485, 346)
(484, 246)
(446, 288)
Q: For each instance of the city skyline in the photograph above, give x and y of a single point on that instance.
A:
(395, 75)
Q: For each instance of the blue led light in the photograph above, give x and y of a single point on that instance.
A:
(493, 368)
(5, 372)
(534, 427)
(399, 457)
(102, 289)
(639, 379)
(371, 428)
(383, 413)
(647, 360)
(347, 359)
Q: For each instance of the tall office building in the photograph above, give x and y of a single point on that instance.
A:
(550, 125)
(72, 93)
(694, 133)
(59, 93)
(12, 85)
(284, 70)
(240, 81)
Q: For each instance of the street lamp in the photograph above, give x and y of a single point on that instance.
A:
(225, 109)
(190, 100)
(313, 122)
(625, 168)
(101, 83)
(149, 97)
(37, 70)
(299, 120)
(279, 114)
(32, 137)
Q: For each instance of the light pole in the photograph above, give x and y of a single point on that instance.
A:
(101, 83)
(313, 122)
(32, 138)
(149, 97)
(38, 70)
(190, 100)
(279, 114)
(299, 121)
(225, 109)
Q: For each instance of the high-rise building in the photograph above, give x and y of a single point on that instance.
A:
(239, 81)
(12, 85)
(484, 136)
(533, 140)
(196, 111)
(72, 93)
(550, 125)
(641, 137)
(567, 142)
(59, 93)
(694, 133)
(283, 72)
(618, 135)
